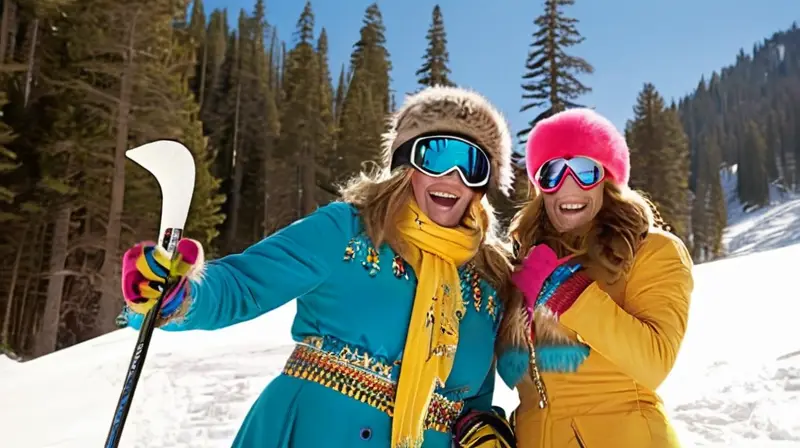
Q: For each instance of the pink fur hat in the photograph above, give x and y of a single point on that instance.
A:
(579, 132)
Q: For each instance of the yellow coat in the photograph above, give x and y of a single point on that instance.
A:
(611, 350)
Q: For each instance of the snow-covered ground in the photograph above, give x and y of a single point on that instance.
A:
(737, 379)
(736, 382)
(6, 364)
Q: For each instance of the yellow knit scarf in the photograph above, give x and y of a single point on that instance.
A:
(435, 253)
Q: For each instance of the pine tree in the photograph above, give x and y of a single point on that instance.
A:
(355, 143)
(209, 67)
(675, 205)
(368, 99)
(8, 159)
(118, 86)
(704, 132)
(268, 166)
(96, 82)
(773, 160)
(700, 226)
(435, 70)
(551, 80)
(326, 132)
(15, 225)
(371, 56)
(197, 32)
(753, 184)
(326, 94)
(171, 112)
(270, 169)
(231, 142)
(709, 211)
(261, 129)
(243, 145)
(301, 126)
(338, 102)
(716, 209)
(660, 158)
(274, 60)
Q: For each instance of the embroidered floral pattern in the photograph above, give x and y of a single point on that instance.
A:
(371, 262)
(491, 307)
(350, 250)
(471, 285)
(399, 267)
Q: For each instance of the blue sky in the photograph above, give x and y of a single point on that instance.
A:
(670, 43)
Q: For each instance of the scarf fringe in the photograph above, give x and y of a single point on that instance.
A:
(410, 443)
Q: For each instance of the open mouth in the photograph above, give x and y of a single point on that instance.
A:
(572, 208)
(443, 198)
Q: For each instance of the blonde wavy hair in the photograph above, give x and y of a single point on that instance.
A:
(381, 195)
(612, 240)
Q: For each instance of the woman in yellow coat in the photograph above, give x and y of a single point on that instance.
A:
(608, 288)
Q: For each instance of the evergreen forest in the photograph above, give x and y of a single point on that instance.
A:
(274, 129)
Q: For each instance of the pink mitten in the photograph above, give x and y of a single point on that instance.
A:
(146, 268)
(536, 268)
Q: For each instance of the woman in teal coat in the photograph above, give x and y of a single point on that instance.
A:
(400, 291)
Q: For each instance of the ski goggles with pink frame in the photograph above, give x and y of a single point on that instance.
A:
(586, 172)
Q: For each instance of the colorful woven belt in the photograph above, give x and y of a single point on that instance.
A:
(324, 368)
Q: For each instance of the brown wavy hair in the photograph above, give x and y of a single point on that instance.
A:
(611, 241)
(381, 195)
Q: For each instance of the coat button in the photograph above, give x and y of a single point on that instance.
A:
(366, 434)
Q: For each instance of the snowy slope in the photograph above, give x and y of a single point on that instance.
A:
(6, 364)
(737, 379)
(729, 387)
(770, 227)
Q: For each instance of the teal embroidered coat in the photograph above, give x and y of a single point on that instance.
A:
(354, 303)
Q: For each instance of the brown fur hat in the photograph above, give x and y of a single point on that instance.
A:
(460, 111)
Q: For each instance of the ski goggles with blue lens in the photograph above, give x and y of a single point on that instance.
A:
(440, 155)
(586, 172)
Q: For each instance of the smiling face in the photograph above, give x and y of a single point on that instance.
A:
(443, 199)
(571, 207)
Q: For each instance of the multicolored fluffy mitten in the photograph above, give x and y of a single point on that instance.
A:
(146, 268)
(562, 289)
(548, 282)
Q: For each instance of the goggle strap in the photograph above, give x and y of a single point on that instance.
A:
(401, 156)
